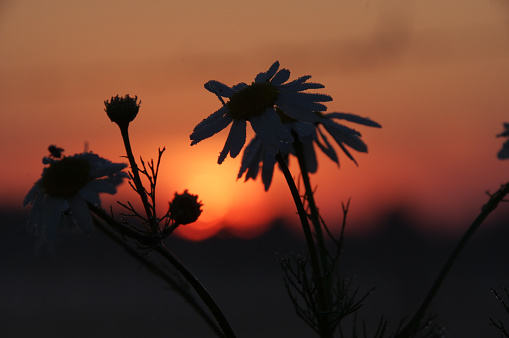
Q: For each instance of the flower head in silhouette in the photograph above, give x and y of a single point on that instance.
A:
(308, 134)
(122, 110)
(261, 103)
(65, 188)
(185, 208)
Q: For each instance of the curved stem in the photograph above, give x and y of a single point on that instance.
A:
(413, 325)
(156, 269)
(175, 262)
(199, 288)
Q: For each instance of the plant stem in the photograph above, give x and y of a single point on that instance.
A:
(124, 130)
(199, 288)
(323, 312)
(315, 218)
(177, 264)
(413, 325)
(156, 269)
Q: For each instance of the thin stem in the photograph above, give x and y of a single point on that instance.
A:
(301, 211)
(315, 219)
(156, 269)
(315, 216)
(177, 264)
(136, 175)
(199, 288)
(413, 325)
(324, 327)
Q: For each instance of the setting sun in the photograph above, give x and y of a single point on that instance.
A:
(228, 203)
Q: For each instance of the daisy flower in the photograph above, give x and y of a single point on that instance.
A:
(260, 103)
(504, 152)
(308, 134)
(64, 189)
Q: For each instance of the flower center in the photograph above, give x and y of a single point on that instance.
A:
(66, 177)
(252, 100)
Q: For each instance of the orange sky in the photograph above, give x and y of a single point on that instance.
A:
(435, 74)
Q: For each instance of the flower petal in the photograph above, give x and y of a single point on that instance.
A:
(106, 169)
(296, 87)
(235, 141)
(239, 86)
(354, 118)
(347, 153)
(343, 134)
(505, 132)
(212, 127)
(280, 77)
(297, 111)
(504, 152)
(250, 157)
(269, 161)
(218, 88)
(298, 81)
(212, 118)
(81, 214)
(271, 131)
(36, 216)
(52, 217)
(101, 185)
(33, 193)
(266, 76)
(305, 130)
(90, 195)
(326, 147)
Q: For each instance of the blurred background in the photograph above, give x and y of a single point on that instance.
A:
(434, 74)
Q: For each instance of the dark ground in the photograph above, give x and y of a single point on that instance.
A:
(92, 288)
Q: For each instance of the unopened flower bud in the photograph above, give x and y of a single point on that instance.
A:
(122, 110)
(185, 208)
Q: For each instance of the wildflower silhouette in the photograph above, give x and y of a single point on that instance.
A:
(69, 190)
(65, 188)
(185, 208)
(259, 103)
(122, 110)
(288, 121)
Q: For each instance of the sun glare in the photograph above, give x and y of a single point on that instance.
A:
(230, 206)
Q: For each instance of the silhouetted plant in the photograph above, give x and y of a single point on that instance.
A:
(68, 191)
(288, 121)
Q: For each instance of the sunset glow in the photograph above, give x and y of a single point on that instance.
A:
(434, 76)
(228, 204)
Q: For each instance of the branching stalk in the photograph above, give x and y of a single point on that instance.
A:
(135, 174)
